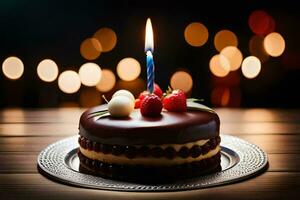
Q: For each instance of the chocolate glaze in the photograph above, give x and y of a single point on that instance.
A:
(169, 128)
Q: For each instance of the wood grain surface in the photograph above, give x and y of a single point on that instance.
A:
(24, 133)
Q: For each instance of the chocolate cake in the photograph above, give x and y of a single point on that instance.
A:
(137, 148)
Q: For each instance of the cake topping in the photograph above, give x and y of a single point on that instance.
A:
(120, 106)
(137, 103)
(175, 101)
(125, 93)
(151, 106)
(156, 91)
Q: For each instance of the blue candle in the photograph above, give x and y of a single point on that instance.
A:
(150, 72)
(149, 48)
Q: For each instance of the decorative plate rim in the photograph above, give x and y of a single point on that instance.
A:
(252, 161)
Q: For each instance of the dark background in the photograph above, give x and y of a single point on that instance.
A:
(34, 30)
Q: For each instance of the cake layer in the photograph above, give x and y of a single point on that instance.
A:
(170, 151)
(149, 161)
(143, 173)
(169, 128)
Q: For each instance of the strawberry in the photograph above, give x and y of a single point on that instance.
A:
(143, 95)
(156, 91)
(175, 101)
(151, 106)
(137, 103)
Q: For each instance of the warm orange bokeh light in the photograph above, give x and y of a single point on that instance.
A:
(69, 82)
(251, 67)
(107, 38)
(219, 65)
(181, 80)
(256, 48)
(90, 48)
(225, 38)
(128, 69)
(107, 81)
(225, 96)
(90, 97)
(90, 74)
(196, 34)
(47, 70)
(220, 96)
(274, 44)
(234, 56)
(13, 67)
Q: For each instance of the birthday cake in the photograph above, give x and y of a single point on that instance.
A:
(153, 138)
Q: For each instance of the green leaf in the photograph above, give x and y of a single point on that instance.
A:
(104, 115)
(100, 113)
(197, 106)
(195, 100)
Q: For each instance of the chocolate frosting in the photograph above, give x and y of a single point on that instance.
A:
(169, 128)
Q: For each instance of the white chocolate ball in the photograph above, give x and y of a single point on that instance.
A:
(120, 106)
(125, 93)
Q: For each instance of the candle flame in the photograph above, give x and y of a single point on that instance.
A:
(149, 44)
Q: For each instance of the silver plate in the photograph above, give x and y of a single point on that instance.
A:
(239, 159)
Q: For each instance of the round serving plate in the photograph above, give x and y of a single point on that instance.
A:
(239, 160)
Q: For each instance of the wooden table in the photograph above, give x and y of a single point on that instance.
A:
(24, 133)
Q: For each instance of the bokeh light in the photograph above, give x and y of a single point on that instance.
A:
(181, 80)
(274, 44)
(256, 48)
(219, 65)
(128, 69)
(69, 82)
(261, 23)
(107, 38)
(90, 97)
(90, 74)
(90, 48)
(196, 34)
(220, 96)
(251, 67)
(47, 70)
(225, 38)
(13, 67)
(234, 57)
(225, 96)
(107, 81)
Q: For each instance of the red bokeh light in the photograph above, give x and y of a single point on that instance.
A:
(261, 23)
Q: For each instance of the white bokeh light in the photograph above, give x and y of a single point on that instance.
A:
(251, 67)
(90, 74)
(47, 70)
(69, 82)
(13, 67)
